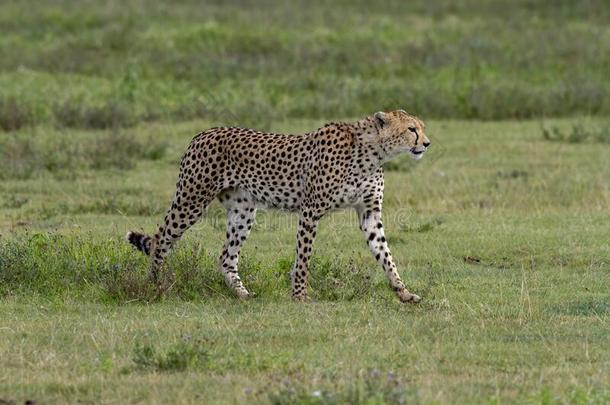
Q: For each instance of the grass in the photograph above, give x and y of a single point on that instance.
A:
(182, 356)
(105, 65)
(501, 230)
(66, 154)
(580, 132)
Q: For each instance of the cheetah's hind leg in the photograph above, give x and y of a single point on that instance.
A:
(178, 219)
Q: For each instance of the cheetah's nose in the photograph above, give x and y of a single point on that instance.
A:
(426, 144)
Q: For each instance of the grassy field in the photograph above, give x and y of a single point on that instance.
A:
(503, 232)
(91, 64)
(502, 228)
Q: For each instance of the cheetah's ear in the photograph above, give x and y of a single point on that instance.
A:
(381, 117)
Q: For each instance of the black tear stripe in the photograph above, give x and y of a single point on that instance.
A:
(416, 137)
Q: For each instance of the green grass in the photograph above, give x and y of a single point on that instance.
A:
(111, 64)
(501, 230)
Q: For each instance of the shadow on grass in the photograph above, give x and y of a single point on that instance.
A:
(367, 387)
(590, 306)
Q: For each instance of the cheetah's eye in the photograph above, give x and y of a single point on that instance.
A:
(413, 129)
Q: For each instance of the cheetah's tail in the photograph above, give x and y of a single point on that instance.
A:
(140, 241)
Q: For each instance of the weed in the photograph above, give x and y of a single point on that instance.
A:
(337, 279)
(423, 227)
(14, 115)
(184, 355)
(580, 132)
(144, 355)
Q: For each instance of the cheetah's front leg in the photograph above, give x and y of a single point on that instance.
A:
(239, 222)
(372, 227)
(306, 234)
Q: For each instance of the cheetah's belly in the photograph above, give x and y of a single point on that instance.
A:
(284, 195)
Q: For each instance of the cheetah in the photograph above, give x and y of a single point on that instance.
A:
(336, 166)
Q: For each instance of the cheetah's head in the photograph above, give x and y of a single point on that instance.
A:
(400, 132)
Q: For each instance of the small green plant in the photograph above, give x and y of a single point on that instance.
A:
(334, 279)
(144, 356)
(421, 227)
(579, 133)
(14, 114)
(187, 354)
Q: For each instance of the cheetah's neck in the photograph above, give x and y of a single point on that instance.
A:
(369, 153)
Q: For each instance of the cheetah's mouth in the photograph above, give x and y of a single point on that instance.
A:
(416, 153)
